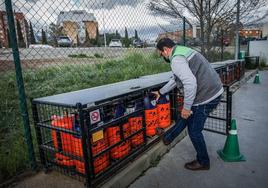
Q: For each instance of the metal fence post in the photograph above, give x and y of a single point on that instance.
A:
(38, 134)
(221, 44)
(229, 109)
(85, 143)
(184, 32)
(20, 84)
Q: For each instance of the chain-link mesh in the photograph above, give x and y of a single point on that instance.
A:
(68, 45)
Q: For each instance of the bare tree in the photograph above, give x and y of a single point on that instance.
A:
(209, 14)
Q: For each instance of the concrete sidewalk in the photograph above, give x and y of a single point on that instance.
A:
(250, 109)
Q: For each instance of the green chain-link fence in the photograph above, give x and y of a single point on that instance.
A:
(67, 45)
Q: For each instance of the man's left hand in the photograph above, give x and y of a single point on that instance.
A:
(185, 114)
(157, 94)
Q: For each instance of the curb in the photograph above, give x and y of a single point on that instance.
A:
(137, 168)
(248, 75)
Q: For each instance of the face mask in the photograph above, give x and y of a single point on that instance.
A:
(166, 59)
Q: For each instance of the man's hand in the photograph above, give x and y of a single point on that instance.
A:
(185, 114)
(157, 94)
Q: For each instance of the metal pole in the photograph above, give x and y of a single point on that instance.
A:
(38, 135)
(20, 84)
(85, 141)
(229, 109)
(221, 44)
(104, 34)
(237, 46)
(184, 40)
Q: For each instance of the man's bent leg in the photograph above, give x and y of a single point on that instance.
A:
(195, 127)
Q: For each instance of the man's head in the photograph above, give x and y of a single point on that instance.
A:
(164, 47)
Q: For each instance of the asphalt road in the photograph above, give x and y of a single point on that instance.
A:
(61, 53)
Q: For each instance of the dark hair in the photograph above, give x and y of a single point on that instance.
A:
(165, 42)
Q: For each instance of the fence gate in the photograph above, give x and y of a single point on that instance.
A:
(219, 120)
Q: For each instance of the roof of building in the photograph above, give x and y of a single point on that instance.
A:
(75, 16)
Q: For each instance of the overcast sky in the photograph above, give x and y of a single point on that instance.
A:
(111, 15)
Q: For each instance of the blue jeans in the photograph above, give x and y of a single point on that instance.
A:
(195, 124)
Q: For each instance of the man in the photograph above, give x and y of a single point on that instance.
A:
(202, 90)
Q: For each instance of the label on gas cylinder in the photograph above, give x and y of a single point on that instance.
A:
(97, 136)
(153, 102)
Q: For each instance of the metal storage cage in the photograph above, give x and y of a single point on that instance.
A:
(230, 71)
(241, 67)
(91, 134)
(221, 69)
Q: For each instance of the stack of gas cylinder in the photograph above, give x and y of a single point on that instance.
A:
(72, 145)
(68, 145)
(157, 114)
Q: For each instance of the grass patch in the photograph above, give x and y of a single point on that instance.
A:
(54, 80)
(98, 55)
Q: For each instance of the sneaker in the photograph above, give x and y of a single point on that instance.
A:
(195, 165)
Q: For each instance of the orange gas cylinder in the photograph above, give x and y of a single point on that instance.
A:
(151, 125)
(65, 122)
(163, 111)
(64, 160)
(114, 137)
(77, 146)
(151, 120)
(103, 161)
(99, 145)
(136, 125)
(80, 166)
(114, 133)
(121, 151)
(100, 164)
